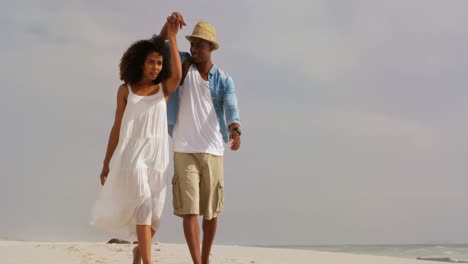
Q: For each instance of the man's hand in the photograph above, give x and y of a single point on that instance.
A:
(176, 20)
(234, 138)
(104, 173)
(171, 30)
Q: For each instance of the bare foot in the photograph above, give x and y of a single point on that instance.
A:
(136, 255)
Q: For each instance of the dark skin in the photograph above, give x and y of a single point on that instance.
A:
(150, 70)
(200, 50)
(201, 58)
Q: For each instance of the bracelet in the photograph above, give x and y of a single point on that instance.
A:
(237, 129)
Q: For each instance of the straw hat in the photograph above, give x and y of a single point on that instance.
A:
(204, 31)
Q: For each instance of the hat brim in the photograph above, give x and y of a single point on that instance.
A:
(215, 44)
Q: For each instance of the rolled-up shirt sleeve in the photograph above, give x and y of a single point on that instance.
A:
(230, 103)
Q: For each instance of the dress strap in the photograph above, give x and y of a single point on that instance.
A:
(161, 88)
(129, 89)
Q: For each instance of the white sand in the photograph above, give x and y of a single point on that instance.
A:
(13, 252)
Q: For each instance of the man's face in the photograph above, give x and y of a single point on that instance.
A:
(200, 50)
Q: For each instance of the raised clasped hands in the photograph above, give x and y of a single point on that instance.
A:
(174, 22)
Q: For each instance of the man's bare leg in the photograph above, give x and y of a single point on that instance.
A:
(209, 232)
(143, 250)
(192, 236)
(136, 251)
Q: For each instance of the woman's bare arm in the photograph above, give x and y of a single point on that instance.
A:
(122, 95)
(169, 31)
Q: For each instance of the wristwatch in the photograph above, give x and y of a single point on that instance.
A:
(237, 129)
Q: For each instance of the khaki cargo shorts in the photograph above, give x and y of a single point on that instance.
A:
(198, 184)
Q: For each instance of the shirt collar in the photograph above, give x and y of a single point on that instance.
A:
(213, 69)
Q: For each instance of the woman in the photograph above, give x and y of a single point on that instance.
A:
(135, 168)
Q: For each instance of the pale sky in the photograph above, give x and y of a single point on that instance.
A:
(353, 115)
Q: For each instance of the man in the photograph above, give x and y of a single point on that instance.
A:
(202, 113)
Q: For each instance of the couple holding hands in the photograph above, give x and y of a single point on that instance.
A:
(184, 95)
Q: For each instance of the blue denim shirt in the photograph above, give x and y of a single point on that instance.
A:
(224, 100)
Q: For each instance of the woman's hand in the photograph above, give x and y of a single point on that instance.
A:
(104, 173)
(172, 29)
(176, 19)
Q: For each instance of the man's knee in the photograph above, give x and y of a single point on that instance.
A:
(209, 224)
(212, 220)
(190, 217)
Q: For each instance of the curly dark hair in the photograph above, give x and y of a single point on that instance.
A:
(135, 56)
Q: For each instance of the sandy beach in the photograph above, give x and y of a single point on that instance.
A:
(20, 252)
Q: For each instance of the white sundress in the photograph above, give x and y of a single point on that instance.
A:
(135, 188)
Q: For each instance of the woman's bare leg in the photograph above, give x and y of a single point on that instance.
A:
(143, 250)
(136, 256)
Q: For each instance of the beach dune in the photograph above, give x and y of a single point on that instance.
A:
(20, 252)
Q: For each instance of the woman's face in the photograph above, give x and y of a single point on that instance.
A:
(152, 66)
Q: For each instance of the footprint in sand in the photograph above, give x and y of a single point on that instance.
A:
(235, 261)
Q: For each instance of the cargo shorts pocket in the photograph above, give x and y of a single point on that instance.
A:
(176, 200)
(220, 192)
